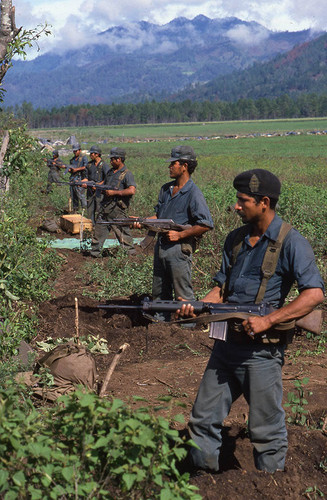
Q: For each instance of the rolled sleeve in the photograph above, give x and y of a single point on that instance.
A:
(300, 255)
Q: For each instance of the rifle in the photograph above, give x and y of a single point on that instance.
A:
(100, 187)
(155, 225)
(311, 322)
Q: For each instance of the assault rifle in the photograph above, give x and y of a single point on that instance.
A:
(92, 184)
(311, 322)
(156, 225)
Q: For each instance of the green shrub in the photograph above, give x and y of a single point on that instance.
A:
(120, 276)
(87, 447)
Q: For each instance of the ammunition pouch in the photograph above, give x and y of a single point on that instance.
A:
(189, 245)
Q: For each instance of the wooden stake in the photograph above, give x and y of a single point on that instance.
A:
(111, 369)
(76, 321)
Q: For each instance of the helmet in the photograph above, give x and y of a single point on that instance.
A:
(76, 146)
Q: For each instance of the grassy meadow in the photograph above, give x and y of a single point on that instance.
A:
(299, 160)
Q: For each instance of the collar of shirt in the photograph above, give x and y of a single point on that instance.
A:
(272, 231)
(184, 189)
(119, 170)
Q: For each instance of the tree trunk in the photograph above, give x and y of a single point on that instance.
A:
(4, 181)
(8, 32)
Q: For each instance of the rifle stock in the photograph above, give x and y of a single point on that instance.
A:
(311, 322)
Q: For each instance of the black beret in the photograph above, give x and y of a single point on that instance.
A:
(258, 181)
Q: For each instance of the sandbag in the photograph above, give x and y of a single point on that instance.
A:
(50, 225)
(71, 365)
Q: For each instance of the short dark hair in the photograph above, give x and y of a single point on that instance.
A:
(191, 165)
(258, 198)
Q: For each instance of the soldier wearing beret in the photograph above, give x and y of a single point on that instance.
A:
(250, 358)
(115, 203)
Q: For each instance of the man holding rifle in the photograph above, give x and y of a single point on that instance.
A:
(114, 204)
(95, 171)
(183, 202)
(78, 164)
(261, 262)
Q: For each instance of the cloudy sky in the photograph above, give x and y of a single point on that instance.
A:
(74, 22)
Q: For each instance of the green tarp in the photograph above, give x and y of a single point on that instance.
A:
(74, 243)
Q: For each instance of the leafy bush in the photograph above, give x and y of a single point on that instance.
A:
(87, 447)
(121, 276)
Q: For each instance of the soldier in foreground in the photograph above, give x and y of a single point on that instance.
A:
(115, 203)
(77, 168)
(183, 202)
(55, 165)
(249, 361)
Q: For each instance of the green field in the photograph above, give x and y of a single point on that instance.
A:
(184, 130)
(298, 159)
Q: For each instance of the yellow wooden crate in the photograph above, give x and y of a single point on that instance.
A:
(72, 223)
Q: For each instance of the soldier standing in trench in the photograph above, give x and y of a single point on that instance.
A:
(249, 361)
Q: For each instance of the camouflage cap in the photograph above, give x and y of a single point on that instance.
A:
(117, 153)
(258, 182)
(182, 153)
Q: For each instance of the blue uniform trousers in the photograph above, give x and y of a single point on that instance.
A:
(172, 273)
(255, 371)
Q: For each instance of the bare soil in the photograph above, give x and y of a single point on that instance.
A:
(169, 360)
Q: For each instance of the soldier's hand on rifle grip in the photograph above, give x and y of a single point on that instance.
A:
(186, 311)
(173, 236)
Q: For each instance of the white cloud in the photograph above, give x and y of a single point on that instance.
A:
(248, 35)
(74, 23)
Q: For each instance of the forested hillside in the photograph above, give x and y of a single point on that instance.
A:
(141, 61)
(302, 70)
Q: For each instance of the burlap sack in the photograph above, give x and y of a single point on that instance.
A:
(70, 365)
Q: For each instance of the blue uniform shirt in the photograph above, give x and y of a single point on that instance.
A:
(96, 173)
(296, 263)
(80, 161)
(188, 206)
(119, 180)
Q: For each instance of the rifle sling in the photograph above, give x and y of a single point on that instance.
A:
(210, 318)
(148, 240)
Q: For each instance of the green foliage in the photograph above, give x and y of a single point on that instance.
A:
(21, 41)
(313, 493)
(20, 151)
(297, 402)
(120, 276)
(93, 343)
(87, 447)
(26, 264)
(305, 207)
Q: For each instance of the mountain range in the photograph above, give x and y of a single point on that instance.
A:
(140, 61)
